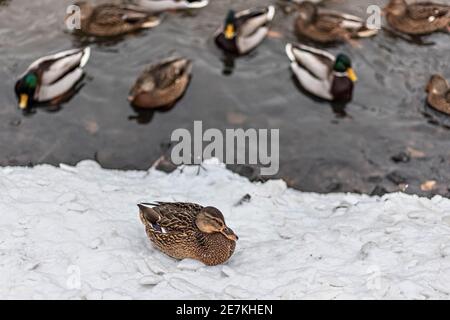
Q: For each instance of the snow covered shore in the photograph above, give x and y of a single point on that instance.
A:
(74, 233)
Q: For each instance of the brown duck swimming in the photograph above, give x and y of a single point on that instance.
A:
(161, 84)
(327, 26)
(439, 94)
(109, 20)
(187, 230)
(418, 18)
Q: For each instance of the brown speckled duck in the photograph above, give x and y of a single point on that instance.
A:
(110, 20)
(418, 18)
(161, 84)
(439, 94)
(187, 230)
(328, 26)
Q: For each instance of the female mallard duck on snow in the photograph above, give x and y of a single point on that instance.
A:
(165, 5)
(109, 20)
(51, 78)
(245, 30)
(188, 230)
(320, 73)
(418, 18)
(327, 26)
(439, 94)
(161, 84)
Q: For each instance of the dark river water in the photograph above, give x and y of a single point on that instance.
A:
(321, 149)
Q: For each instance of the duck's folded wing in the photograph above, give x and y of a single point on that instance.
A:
(163, 5)
(318, 62)
(318, 87)
(37, 63)
(331, 19)
(250, 21)
(60, 87)
(53, 70)
(246, 44)
(177, 216)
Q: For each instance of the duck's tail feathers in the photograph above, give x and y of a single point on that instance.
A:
(151, 23)
(289, 52)
(148, 213)
(270, 13)
(290, 47)
(85, 58)
(197, 4)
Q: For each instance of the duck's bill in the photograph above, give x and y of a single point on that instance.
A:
(23, 101)
(352, 75)
(227, 232)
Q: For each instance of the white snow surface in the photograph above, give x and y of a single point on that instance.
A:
(74, 233)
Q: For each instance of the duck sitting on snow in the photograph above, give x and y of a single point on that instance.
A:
(245, 30)
(322, 74)
(188, 230)
(109, 20)
(161, 84)
(327, 26)
(51, 78)
(166, 5)
(439, 94)
(418, 18)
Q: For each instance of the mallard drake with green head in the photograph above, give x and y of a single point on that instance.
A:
(418, 18)
(188, 230)
(110, 20)
(321, 73)
(328, 26)
(161, 84)
(167, 5)
(50, 78)
(243, 31)
(439, 94)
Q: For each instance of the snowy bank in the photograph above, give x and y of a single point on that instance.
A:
(74, 233)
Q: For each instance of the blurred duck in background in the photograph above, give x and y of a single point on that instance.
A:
(243, 31)
(321, 73)
(109, 20)
(439, 94)
(328, 26)
(167, 5)
(418, 18)
(162, 84)
(51, 79)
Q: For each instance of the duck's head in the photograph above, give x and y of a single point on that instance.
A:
(230, 25)
(307, 11)
(437, 85)
(343, 64)
(25, 89)
(211, 220)
(396, 7)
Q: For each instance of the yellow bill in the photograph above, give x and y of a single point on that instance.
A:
(229, 31)
(352, 75)
(23, 101)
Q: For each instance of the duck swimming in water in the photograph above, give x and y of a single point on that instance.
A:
(419, 18)
(110, 20)
(327, 26)
(161, 84)
(321, 73)
(50, 78)
(243, 31)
